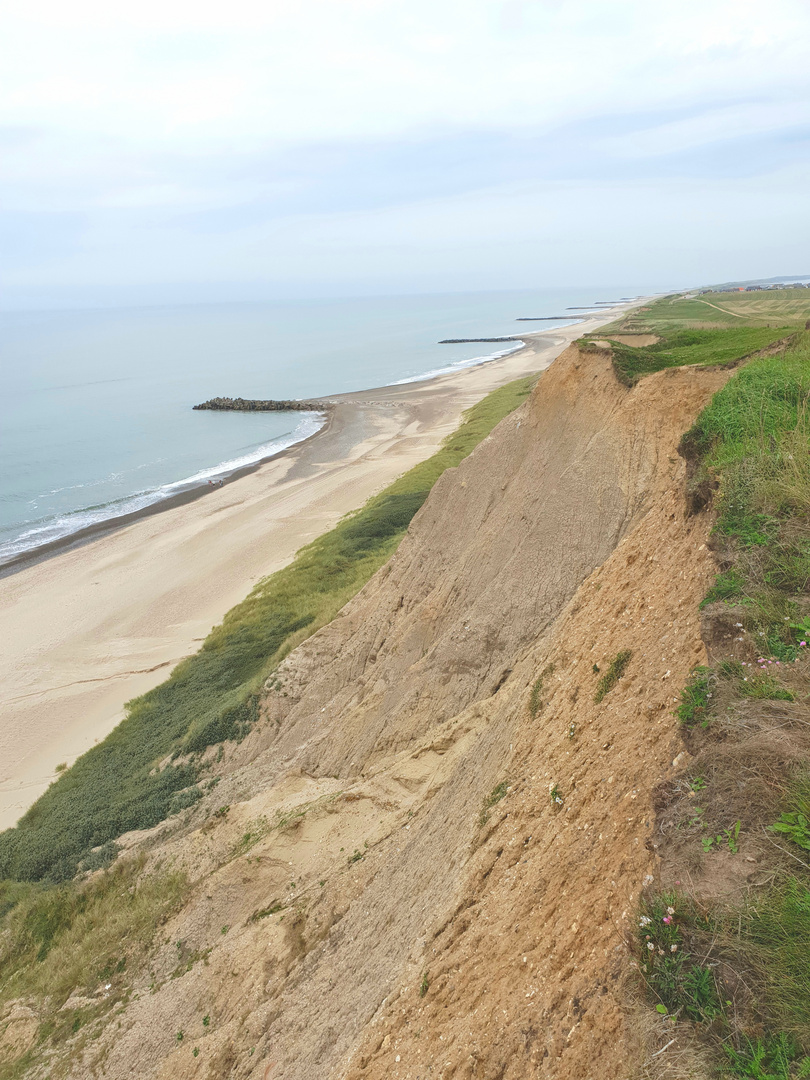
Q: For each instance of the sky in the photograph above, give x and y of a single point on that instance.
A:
(175, 151)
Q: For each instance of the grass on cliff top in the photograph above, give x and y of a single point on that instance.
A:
(739, 966)
(120, 784)
(753, 441)
(783, 308)
(681, 347)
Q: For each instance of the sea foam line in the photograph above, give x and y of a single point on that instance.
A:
(65, 525)
(459, 364)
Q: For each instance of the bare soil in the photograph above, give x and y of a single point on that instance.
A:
(363, 907)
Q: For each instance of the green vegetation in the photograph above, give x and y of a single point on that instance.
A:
(675, 980)
(682, 949)
(679, 347)
(535, 698)
(732, 678)
(495, 796)
(740, 967)
(696, 697)
(767, 1059)
(612, 675)
(794, 823)
(148, 767)
(753, 441)
(87, 940)
(729, 837)
(729, 585)
(785, 308)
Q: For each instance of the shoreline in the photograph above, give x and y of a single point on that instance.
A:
(103, 527)
(107, 616)
(88, 533)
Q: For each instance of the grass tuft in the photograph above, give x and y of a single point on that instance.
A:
(614, 672)
(535, 697)
(494, 797)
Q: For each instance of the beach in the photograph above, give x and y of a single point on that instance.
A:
(96, 623)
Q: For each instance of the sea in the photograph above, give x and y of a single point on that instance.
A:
(96, 417)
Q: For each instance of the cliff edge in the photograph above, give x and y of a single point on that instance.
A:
(423, 859)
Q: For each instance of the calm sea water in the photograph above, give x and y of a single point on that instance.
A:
(96, 411)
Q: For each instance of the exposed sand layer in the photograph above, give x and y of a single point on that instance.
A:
(364, 906)
(96, 625)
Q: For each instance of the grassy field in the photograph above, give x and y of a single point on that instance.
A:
(786, 307)
(213, 696)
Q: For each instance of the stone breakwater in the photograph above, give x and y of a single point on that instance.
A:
(466, 340)
(226, 404)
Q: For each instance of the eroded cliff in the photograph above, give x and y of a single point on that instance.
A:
(422, 860)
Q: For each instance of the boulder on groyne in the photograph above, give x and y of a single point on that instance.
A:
(226, 404)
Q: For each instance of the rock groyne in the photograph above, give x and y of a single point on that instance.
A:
(469, 340)
(226, 404)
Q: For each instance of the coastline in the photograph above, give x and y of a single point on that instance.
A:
(197, 488)
(105, 616)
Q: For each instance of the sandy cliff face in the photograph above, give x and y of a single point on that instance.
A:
(383, 916)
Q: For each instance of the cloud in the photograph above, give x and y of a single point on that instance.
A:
(192, 134)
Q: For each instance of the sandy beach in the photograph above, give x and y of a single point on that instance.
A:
(90, 627)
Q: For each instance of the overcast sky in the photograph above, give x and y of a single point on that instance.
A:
(165, 150)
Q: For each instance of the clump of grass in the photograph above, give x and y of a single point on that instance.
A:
(794, 823)
(257, 829)
(614, 672)
(754, 447)
(730, 585)
(535, 697)
(423, 986)
(754, 439)
(765, 688)
(775, 938)
(775, 1058)
(698, 697)
(494, 797)
(214, 695)
(265, 912)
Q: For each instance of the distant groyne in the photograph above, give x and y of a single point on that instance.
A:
(470, 340)
(227, 404)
